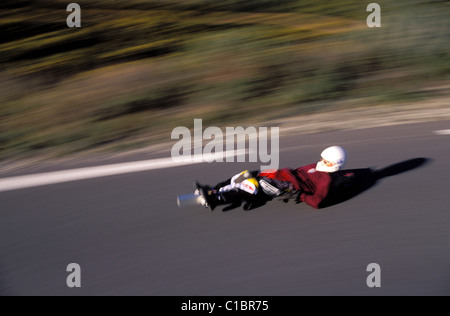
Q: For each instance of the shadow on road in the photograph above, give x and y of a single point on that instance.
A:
(348, 184)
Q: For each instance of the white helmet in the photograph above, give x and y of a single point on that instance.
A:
(333, 159)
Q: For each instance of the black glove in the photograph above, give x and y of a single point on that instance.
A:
(289, 193)
(298, 199)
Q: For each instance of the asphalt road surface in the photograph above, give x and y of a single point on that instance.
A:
(129, 237)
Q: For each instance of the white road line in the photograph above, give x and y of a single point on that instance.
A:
(36, 180)
(443, 132)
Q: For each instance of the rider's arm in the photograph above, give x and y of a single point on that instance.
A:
(315, 199)
(312, 200)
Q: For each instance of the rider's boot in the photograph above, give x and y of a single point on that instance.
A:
(209, 196)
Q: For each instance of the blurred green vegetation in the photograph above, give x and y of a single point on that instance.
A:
(139, 68)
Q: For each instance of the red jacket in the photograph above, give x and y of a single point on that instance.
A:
(314, 184)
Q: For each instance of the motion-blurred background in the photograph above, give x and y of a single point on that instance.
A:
(138, 68)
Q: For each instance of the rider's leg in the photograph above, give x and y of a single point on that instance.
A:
(231, 183)
(236, 196)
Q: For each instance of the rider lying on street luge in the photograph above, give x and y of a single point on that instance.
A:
(310, 184)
